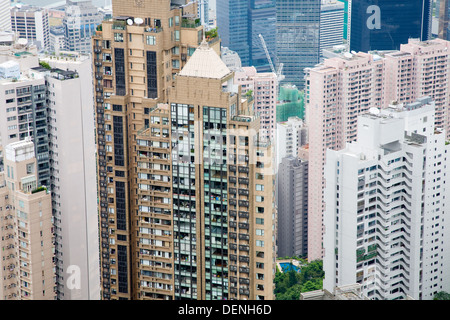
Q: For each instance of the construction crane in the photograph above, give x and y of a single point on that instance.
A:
(280, 77)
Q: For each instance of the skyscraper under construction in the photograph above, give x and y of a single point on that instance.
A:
(185, 185)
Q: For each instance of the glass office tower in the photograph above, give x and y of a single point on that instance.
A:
(233, 27)
(240, 22)
(386, 24)
(263, 21)
(297, 37)
(443, 14)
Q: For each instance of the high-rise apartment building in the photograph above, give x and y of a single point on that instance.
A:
(80, 22)
(292, 205)
(32, 24)
(177, 189)
(342, 88)
(25, 115)
(73, 174)
(57, 39)
(333, 105)
(297, 38)
(386, 25)
(386, 198)
(203, 12)
(291, 135)
(28, 270)
(262, 86)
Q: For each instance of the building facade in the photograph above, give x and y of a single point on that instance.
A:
(342, 88)
(25, 116)
(28, 270)
(262, 87)
(292, 206)
(385, 218)
(291, 135)
(331, 24)
(73, 173)
(32, 24)
(444, 17)
(239, 25)
(161, 181)
(5, 15)
(233, 27)
(80, 22)
(262, 17)
(385, 25)
(297, 38)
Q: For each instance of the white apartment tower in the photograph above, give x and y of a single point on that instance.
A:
(73, 174)
(387, 198)
(291, 135)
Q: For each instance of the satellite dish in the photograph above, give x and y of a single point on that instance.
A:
(348, 55)
(22, 41)
(374, 111)
(138, 21)
(129, 22)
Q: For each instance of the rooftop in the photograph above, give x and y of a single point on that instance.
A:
(205, 63)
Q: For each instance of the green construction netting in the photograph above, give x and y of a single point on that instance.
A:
(291, 103)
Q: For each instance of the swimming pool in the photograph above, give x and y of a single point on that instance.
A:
(286, 267)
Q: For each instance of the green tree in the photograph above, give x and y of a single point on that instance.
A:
(442, 295)
(45, 65)
(289, 285)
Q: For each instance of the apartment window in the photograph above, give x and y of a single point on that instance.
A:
(259, 243)
(30, 168)
(259, 187)
(176, 35)
(191, 51)
(259, 221)
(118, 37)
(151, 40)
(259, 232)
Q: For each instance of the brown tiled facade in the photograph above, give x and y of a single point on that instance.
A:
(172, 224)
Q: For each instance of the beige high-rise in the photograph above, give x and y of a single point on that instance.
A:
(177, 189)
(27, 271)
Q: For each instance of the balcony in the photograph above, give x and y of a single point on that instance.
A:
(190, 23)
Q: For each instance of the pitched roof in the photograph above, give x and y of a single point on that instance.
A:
(205, 63)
